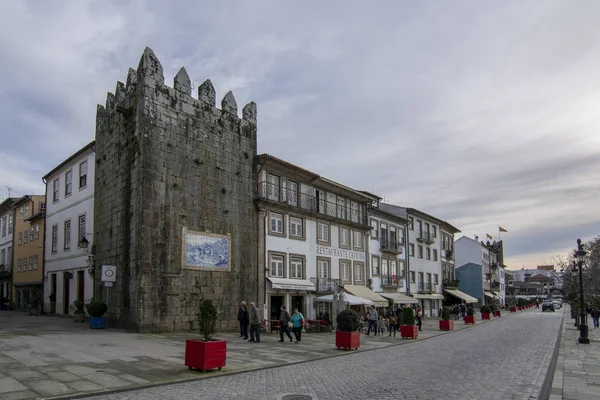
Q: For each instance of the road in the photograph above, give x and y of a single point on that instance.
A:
(505, 359)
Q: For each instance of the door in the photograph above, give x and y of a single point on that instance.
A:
(297, 302)
(53, 292)
(273, 187)
(66, 297)
(80, 286)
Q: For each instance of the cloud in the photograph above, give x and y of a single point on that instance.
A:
(483, 115)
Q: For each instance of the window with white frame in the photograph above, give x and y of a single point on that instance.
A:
(24, 264)
(26, 210)
(412, 276)
(411, 223)
(428, 253)
(10, 224)
(345, 271)
(374, 228)
(25, 236)
(435, 255)
(20, 238)
(273, 187)
(81, 232)
(344, 237)
(435, 279)
(433, 231)
(37, 231)
(31, 232)
(83, 174)
(296, 267)
(67, 235)
(31, 263)
(277, 262)
(385, 271)
(420, 251)
(375, 265)
(296, 227)
(292, 193)
(393, 268)
(419, 226)
(56, 189)
(323, 269)
(341, 207)
(358, 239)
(19, 265)
(55, 238)
(411, 250)
(68, 183)
(322, 232)
(4, 225)
(21, 212)
(359, 272)
(276, 224)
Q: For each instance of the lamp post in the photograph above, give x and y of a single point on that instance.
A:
(583, 328)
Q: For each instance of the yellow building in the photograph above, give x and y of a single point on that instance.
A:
(28, 260)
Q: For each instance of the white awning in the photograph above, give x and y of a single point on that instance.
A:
(366, 293)
(490, 295)
(461, 295)
(292, 284)
(436, 296)
(421, 296)
(348, 299)
(498, 295)
(399, 298)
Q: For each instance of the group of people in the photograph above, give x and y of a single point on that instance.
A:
(389, 320)
(458, 311)
(249, 316)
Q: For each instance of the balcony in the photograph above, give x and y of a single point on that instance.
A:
(450, 283)
(326, 285)
(449, 255)
(494, 266)
(391, 246)
(281, 195)
(495, 285)
(424, 236)
(392, 281)
(427, 287)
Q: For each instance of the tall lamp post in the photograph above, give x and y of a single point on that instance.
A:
(583, 328)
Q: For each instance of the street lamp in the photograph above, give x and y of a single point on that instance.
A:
(583, 329)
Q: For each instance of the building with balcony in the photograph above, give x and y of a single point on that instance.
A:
(387, 255)
(7, 216)
(28, 250)
(487, 281)
(312, 238)
(68, 261)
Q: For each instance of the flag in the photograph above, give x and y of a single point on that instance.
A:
(489, 236)
(501, 229)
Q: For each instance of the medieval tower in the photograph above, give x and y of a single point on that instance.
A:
(174, 192)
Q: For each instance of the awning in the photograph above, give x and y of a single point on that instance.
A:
(366, 293)
(399, 298)
(490, 295)
(292, 284)
(348, 299)
(420, 296)
(461, 295)
(436, 296)
(498, 295)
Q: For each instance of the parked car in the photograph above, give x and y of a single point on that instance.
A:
(548, 305)
(557, 304)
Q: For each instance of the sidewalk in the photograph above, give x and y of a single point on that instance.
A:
(577, 374)
(46, 357)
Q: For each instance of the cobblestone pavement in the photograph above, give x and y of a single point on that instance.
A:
(505, 359)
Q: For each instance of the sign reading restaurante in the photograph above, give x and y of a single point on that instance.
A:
(341, 253)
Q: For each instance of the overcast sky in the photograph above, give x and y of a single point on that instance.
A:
(482, 113)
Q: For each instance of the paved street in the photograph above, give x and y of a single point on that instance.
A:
(507, 358)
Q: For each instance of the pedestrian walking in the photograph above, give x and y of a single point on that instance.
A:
(595, 316)
(393, 324)
(297, 322)
(373, 316)
(463, 310)
(400, 315)
(284, 320)
(254, 323)
(380, 325)
(243, 318)
(419, 316)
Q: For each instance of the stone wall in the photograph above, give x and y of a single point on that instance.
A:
(164, 161)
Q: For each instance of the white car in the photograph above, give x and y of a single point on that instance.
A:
(557, 304)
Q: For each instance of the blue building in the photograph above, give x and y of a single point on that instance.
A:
(470, 277)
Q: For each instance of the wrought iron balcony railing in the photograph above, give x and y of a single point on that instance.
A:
(326, 285)
(283, 195)
(392, 246)
(424, 236)
(450, 283)
(427, 287)
(392, 280)
(449, 254)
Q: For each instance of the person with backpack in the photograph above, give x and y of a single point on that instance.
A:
(298, 322)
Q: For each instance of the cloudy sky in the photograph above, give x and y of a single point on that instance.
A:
(484, 113)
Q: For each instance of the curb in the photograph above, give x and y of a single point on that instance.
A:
(551, 374)
(222, 374)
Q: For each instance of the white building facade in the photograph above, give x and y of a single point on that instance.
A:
(68, 266)
(7, 215)
(312, 238)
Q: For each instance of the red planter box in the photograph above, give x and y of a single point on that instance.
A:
(409, 331)
(446, 325)
(486, 315)
(513, 309)
(497, 313)
(469, 319)
(205, 355)
(347, 340)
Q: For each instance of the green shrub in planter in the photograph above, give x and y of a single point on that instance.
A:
(207, 319)
(446, 313)
(408, 316)
(470, 311)
(486, 309)
(96, 308)
(348, 321)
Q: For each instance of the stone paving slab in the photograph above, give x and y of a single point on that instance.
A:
(46, 356)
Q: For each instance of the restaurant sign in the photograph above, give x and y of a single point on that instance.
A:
(340, 253)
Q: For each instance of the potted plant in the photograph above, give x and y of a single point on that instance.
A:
(446, 324)
(96, 309)
(470, 317)
(347, 334)
(513, 308)
(486, 312)
(78, 311)
(496, 311)
(206, 353)
(408, 329)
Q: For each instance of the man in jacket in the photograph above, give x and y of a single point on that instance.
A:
(373, 316)
(284, 320)
(243, 319)
(595, 317)
(254, 323)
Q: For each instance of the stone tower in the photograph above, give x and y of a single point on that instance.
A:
(174, 193)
